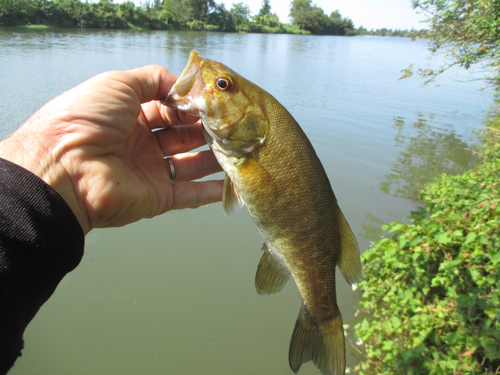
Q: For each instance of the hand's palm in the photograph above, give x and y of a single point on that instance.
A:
(101, 154)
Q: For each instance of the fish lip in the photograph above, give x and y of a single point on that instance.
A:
(189, 80)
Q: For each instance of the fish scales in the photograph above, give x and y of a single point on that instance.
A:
(296, 223)
(272, 168)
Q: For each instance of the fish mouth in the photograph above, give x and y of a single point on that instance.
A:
(188, 87)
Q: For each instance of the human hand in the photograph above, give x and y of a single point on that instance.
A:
(95, 146)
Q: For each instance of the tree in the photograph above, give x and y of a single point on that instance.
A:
(199, 9)
(466, 31)
(221, 17)
(309, 17)
(313, 19)
(266, 8)
(240, 13)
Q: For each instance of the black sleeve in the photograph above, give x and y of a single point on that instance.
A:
(40, 242)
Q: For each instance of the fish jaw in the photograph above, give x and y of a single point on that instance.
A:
(187, 94)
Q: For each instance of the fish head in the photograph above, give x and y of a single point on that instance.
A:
(231, 118)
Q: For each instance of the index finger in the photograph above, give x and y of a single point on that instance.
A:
(152, 82)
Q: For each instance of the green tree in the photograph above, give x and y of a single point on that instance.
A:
(466, 31)
(269, 20)
(126, 11)
(240, 13)
(362, 31)
(309, 17)
(199, 9)
(266, 8)
(221, 17)
(313, 19)
(180, 13)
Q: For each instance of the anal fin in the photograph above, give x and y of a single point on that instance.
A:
(272, 275)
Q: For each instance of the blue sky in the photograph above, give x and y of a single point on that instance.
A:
(392, 14)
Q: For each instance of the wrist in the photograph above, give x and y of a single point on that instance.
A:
(33, 154)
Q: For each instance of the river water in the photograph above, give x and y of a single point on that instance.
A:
(175, 294)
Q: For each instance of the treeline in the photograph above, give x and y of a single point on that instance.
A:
(199, 15)
(158, 15)
(394, 33)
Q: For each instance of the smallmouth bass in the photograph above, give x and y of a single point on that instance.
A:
(272, 168)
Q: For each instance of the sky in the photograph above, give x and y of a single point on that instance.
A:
(371, 14)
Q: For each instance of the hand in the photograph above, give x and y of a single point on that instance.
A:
(95, 146)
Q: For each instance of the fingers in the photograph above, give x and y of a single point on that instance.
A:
(159, 116)
(196, 194)
(151, 82)
(196, 165)
(179, 139)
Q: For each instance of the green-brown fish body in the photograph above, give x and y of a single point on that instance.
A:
(272, 168)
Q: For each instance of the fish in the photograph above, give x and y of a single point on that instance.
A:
(272, 168)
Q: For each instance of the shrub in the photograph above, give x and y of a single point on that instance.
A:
(431, 292)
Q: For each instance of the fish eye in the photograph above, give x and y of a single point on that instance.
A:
(224, 83)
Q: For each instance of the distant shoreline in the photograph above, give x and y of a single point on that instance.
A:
(182, 16)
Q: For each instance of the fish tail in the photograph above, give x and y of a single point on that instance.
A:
(322, 343)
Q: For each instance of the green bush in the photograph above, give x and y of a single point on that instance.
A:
(196, 25)
(431, 292)
(211, 27)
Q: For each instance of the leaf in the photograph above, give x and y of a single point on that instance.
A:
(471, 236)
(443, 238)
(491, 312)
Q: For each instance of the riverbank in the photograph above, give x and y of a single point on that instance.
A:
(431, 290)
(174, 15)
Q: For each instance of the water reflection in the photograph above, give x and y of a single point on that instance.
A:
(425, 152)
(372, 228)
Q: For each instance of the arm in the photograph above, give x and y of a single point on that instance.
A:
(40, 241)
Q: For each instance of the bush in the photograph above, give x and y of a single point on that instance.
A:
(196, 25)
(431, 292)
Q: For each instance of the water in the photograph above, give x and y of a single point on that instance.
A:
(175, 294)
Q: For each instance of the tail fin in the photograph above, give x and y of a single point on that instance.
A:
(322, 343)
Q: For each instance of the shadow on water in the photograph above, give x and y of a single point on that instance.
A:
(426, 151)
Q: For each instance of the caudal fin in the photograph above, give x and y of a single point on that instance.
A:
(322, 343)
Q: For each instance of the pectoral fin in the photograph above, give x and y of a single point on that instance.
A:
(349, 261)
(231, 199)
(272, 275)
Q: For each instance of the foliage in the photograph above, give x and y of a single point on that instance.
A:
(198, 15)
(221, 18)
(240, 13)
(394, 33)
(266, 8)
(313, 19)
(431, 292)
(466, 31)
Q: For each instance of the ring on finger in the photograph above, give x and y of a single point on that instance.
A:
(171, 169)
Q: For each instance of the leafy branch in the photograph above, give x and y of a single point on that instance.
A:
(467, 32)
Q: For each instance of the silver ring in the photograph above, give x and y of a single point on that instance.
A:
(171, 170)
